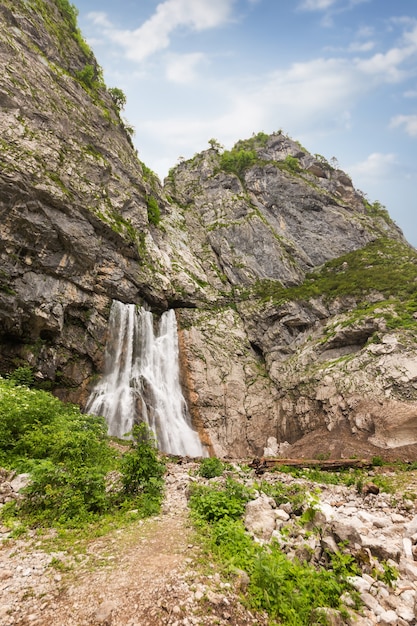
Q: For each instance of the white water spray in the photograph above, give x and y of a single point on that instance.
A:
(141, 381)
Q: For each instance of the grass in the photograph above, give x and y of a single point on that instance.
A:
(288, 590)
(385, 266)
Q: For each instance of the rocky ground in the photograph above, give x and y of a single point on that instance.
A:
(148, 574)
(153, 572)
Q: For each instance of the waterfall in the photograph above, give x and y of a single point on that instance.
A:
(141, 381)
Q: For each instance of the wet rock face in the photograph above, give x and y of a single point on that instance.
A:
(74, 226)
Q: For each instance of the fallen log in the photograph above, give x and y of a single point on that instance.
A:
(264, 464)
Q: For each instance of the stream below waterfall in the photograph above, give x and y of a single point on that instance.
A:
(141, 381)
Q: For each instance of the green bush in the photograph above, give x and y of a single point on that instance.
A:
(118, 98)
(22, 410)
(211, 467)
(141, 468)
(64, 494)
(71, 438)
(154, 212)
(212, 504)
(237, 161)
(68, 456)
(22, 376)
(291, 163)
(87, 76)
(289, 591)
(70, 13)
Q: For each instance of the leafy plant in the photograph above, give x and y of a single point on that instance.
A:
(154, 212)
(236, 161)
(141, 468)
(289, 591)
(212, 504)
(388, 575)
(22, 375)
(68, 456)
(281, 493)
(344, 564)
(64, 494)
(211, 467)
(291, 163)
(70, 13)
(87, 76)
(118, 97)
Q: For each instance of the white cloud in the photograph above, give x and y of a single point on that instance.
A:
(99, 18)
(155, 33)
(376, 166)
(313, 97)
(388, 65)
(365, 46)
(317, 5)
(182, 68)
(409, 122)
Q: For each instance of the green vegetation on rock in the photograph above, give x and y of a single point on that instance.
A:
(384, 266)
(154, 212)
(288, 590)
(236, 161)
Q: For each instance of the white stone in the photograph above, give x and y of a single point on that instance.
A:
(104, 611)
(260, 517)
(20, 481)
(408, 548)
(406, 613)
(328, 511)
(409, 568)
(372, 603)
(411, 528)
(388, 618)
(359, 583)
(408, 597)
(281, 515)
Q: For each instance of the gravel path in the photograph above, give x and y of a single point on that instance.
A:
(147, 574)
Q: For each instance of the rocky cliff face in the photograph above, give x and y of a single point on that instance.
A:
(294, 294)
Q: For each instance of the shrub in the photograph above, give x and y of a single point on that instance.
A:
(211, 467)
(22, 376)
(291, 163)
(212, 504)
(86, 76)
(291, 591)
(141, 468)
(288, 590)
(69, 12)
(22, 410)
(63, 494)
(237, 161)
(154, 212)
(118, 98)
(68, 456)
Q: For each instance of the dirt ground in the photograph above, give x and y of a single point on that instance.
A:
(147, 574)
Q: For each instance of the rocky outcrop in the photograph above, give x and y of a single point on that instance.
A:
(74, 228)
(240, 242)
(374, 535)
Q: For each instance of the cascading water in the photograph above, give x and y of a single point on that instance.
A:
(141, 381)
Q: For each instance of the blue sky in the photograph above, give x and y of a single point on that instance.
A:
(340, 76)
